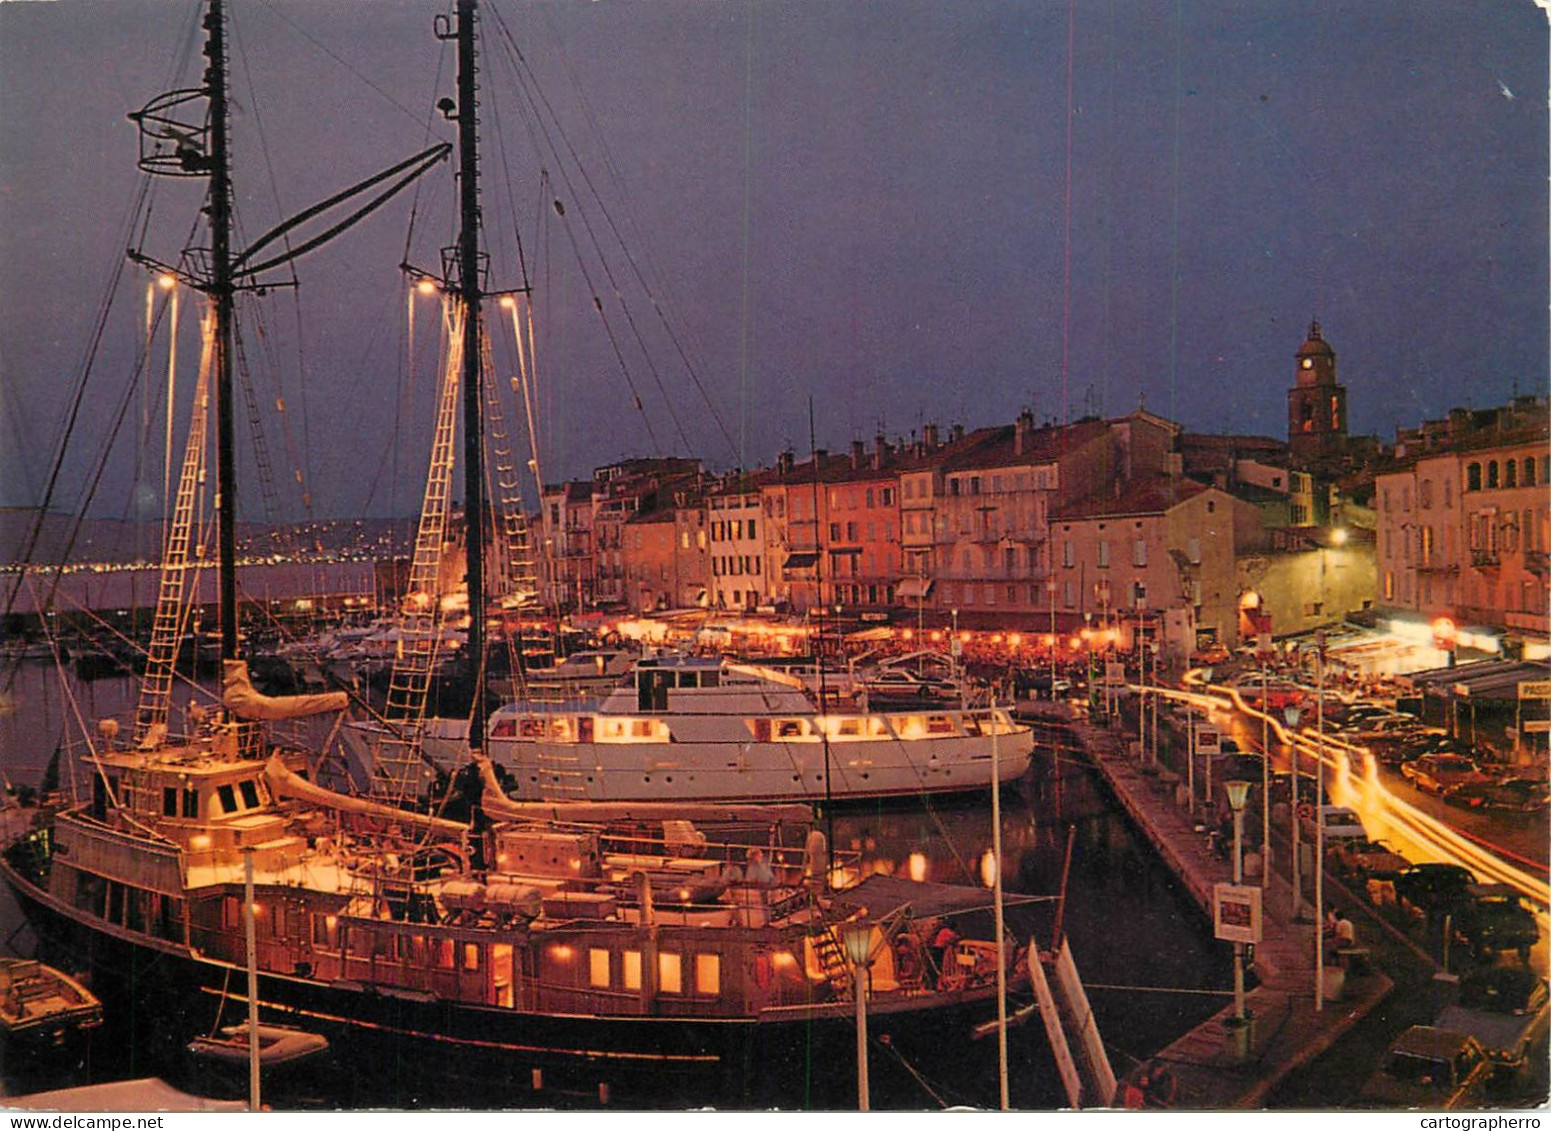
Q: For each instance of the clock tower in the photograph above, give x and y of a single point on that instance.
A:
(1316, 405)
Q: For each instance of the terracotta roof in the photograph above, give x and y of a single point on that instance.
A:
(997, 447)
(1150, 495)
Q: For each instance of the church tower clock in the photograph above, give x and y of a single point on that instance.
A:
(1316, 405)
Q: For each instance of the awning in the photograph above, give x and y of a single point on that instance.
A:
(804, 560)
(914, 588)
(1486, 680)
(881, 895)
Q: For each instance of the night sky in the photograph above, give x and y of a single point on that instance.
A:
(907, 211)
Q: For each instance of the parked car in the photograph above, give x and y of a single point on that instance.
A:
(1433, 889)
(1434, 773)
(1367, 859)
(1507, 1009)
(895, 685)
(1341, 824)
(1510, 795)
(1389, 728)
(1277, 694)
(1210, 654)
(1353, 714)
(1402, 748)
(1431, 1068)
(1495, 918)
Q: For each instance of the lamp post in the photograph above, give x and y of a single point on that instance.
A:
(1238, 793)
(1265, 769)
(1319, 822)
(1050, 587)
(857, 936)
(1291, 713)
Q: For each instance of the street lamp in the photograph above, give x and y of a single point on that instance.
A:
(1050, 588)
(1238, 793)
(1291, 714)
(857, 937)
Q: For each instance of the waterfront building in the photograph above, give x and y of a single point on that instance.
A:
(567, 571)
(736, 569)
(1464, 524)
(1158, 561)
(664, 555)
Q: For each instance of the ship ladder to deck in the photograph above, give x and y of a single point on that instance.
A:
(561, 774)
(517, 575)
(832, 958)
(398, 763)
(172, 607)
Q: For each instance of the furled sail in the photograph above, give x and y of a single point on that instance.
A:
(285, 783)
(239, 694)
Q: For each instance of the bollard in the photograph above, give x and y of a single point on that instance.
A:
(538, 1079)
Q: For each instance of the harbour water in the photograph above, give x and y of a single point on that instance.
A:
(1143, 948)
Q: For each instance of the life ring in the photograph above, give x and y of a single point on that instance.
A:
(1305, 811)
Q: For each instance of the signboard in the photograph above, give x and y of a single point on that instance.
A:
(1536, 726)
(1208, 741)
(1236, 913)
(1114, 673)
(1535, 689)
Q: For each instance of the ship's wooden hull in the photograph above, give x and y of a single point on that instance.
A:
(412, 1050)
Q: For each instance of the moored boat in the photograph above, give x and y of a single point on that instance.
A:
(713, 729)
(40, 1007)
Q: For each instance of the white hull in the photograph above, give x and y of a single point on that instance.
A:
(710, 770)
(705, 730)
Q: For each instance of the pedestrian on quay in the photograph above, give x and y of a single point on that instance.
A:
(1346, 932)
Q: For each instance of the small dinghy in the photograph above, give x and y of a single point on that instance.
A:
(39, 1006)
(278, 1045)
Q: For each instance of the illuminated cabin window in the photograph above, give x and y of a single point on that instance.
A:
(939, 724)
(598, 968)
(444, 954)
(670, 973)
(471, 956)
(631, 969)
(708, 974)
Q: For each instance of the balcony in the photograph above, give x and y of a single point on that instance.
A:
(1535, 561)
(1485, 559)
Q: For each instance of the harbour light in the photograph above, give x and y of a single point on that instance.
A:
(988, 868)
(917, 866)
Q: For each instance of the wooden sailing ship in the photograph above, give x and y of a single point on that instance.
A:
(668, 950)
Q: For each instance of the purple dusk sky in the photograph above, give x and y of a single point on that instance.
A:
(906, 211)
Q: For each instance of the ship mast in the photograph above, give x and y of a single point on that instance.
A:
(221, 291)
(473, 361)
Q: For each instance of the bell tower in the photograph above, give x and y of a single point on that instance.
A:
(1316, 405)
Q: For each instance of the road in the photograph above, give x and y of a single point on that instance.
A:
(1498, 850)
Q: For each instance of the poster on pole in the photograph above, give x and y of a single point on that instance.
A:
(1208, 741)
(1236, 913)
(1114, 673)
